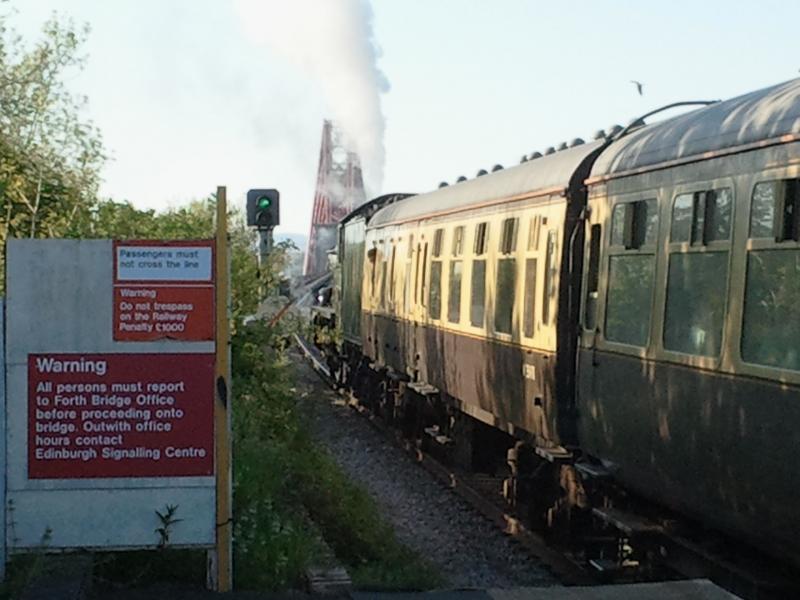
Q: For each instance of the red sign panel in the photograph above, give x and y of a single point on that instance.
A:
(163, 290)
(145, 313)
(120, 415)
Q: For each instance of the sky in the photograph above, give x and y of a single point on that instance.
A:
(192, 94)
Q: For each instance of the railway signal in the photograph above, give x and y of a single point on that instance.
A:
(263, 208)
(263, 213)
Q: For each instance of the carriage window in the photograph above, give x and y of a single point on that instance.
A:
(458, 241)
(508, 240)
(771, 325)
(718, 211)
(630, 294)
(593, 279)
(383, 283)
(438, 237)
(550, 270)
(682, 218)
(533, 233)
(372, 255)
(416, 275)
(435, 299)
(631, 272)
(478, 293)
(702, 217)
(392, 274)
(790, 212)
(697, 276)
(635, 224)
(454, 299)
(407, 288)
(762, 210)
(649, 215)
(618, 225)
(771, 322)
(424, 272)
(776, 201)
(530, 297)
(481, 238)
(504, 299)
(695, 310)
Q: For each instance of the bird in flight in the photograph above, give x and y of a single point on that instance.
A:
(638, 85)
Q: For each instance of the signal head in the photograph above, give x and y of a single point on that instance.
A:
(263, 208)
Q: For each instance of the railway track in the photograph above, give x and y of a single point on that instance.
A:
(472, 489)
(753, 577)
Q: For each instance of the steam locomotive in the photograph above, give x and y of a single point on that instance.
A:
(626, 308)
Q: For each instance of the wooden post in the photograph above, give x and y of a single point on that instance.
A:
(222, 420)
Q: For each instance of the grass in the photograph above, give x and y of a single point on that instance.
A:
(281, 476)
(351, 522)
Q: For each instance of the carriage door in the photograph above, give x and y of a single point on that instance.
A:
(618, 300)
(591, 296)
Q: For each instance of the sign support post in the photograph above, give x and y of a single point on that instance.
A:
(222, 421)
(3, 457)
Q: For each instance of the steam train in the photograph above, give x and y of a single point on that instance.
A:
(626, 308)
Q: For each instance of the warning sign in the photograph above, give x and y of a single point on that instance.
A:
(163, 290)
(120, 415)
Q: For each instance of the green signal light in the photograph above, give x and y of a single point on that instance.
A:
(264, 202)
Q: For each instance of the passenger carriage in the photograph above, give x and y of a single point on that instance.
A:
(633, 302)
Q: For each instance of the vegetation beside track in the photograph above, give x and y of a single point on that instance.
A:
(281, 477)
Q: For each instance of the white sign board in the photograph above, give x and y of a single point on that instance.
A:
(163, 263)
(102, 407)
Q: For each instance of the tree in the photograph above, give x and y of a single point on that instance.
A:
(50, 157)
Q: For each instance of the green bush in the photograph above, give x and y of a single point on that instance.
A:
(281, 477)
(272, 543)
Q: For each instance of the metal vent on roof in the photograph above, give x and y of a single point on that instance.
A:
(523, 159)
(460, 179)
(535, 155)
(614, 130)
(599, 134)
(576, 142)
(443, 184)
(482, 172)
(550, 150)
(562, 146)
(497, 167)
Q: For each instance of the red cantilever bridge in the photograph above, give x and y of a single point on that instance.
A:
(340, 189)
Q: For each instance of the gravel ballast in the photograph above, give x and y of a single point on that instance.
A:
(469, 551)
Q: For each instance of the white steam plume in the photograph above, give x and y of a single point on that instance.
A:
(333, 42)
